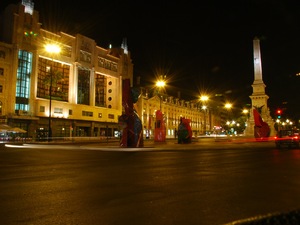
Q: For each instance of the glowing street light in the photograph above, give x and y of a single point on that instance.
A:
(52, 49)
(160, 127)
(160, 84)
(245, 111)
(204, 99)
(228, 106)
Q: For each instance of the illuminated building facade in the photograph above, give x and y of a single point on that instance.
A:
(173, 109)
(86, 79)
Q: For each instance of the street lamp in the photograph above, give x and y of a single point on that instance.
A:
(160, 84)
(245, 111)
(204, 99)
(160, 127)
(228, 106)
(52, 49)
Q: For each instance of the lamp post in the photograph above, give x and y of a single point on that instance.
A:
(160, 84)
(245, 111)
(245, 119)
(228, 107)
(160, 128)
(52, 49)
(204, 99)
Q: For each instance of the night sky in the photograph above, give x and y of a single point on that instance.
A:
(201, 46)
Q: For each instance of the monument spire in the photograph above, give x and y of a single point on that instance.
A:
(259, 98)
(258, 84)
(257, 60)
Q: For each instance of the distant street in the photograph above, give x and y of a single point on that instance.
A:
(209, 182)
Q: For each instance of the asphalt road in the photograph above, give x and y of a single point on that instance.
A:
(206, 182)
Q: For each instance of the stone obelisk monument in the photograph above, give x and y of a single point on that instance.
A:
(259, 99)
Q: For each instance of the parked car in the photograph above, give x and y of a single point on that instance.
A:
(287, 138)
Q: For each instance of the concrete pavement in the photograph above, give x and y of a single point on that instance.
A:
(170, 143)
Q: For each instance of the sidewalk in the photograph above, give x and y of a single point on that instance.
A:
(169, 143)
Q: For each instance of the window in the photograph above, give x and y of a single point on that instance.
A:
(1, 71)
(114, 67)
(70, 112)
(111, 116)
(107, 64)
(42, 108)
(58, 110)
(66, 50)
(85, 56)
(60, 80)
(100, 62)
(23, 80)
(100, 87)
(86, 113)
(99, 115)
(1, 88)
(83, 93)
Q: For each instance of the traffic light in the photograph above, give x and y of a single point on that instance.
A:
(278, 113)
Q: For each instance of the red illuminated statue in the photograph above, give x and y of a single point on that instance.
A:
(129, 121)
(184, 131)
(160, 127)
(261, 128)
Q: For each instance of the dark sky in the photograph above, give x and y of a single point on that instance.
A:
(201, 46)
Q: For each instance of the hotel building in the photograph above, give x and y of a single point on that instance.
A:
(76, 92)
(82, 83)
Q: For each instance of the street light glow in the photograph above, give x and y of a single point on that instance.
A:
(245, 111)
(52, 48)
(160, 83)
(228, 105)
(204, 98)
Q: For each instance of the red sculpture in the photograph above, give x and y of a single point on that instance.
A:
(184, 131)
(129, 121)
(261, 128)
(160, 127)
